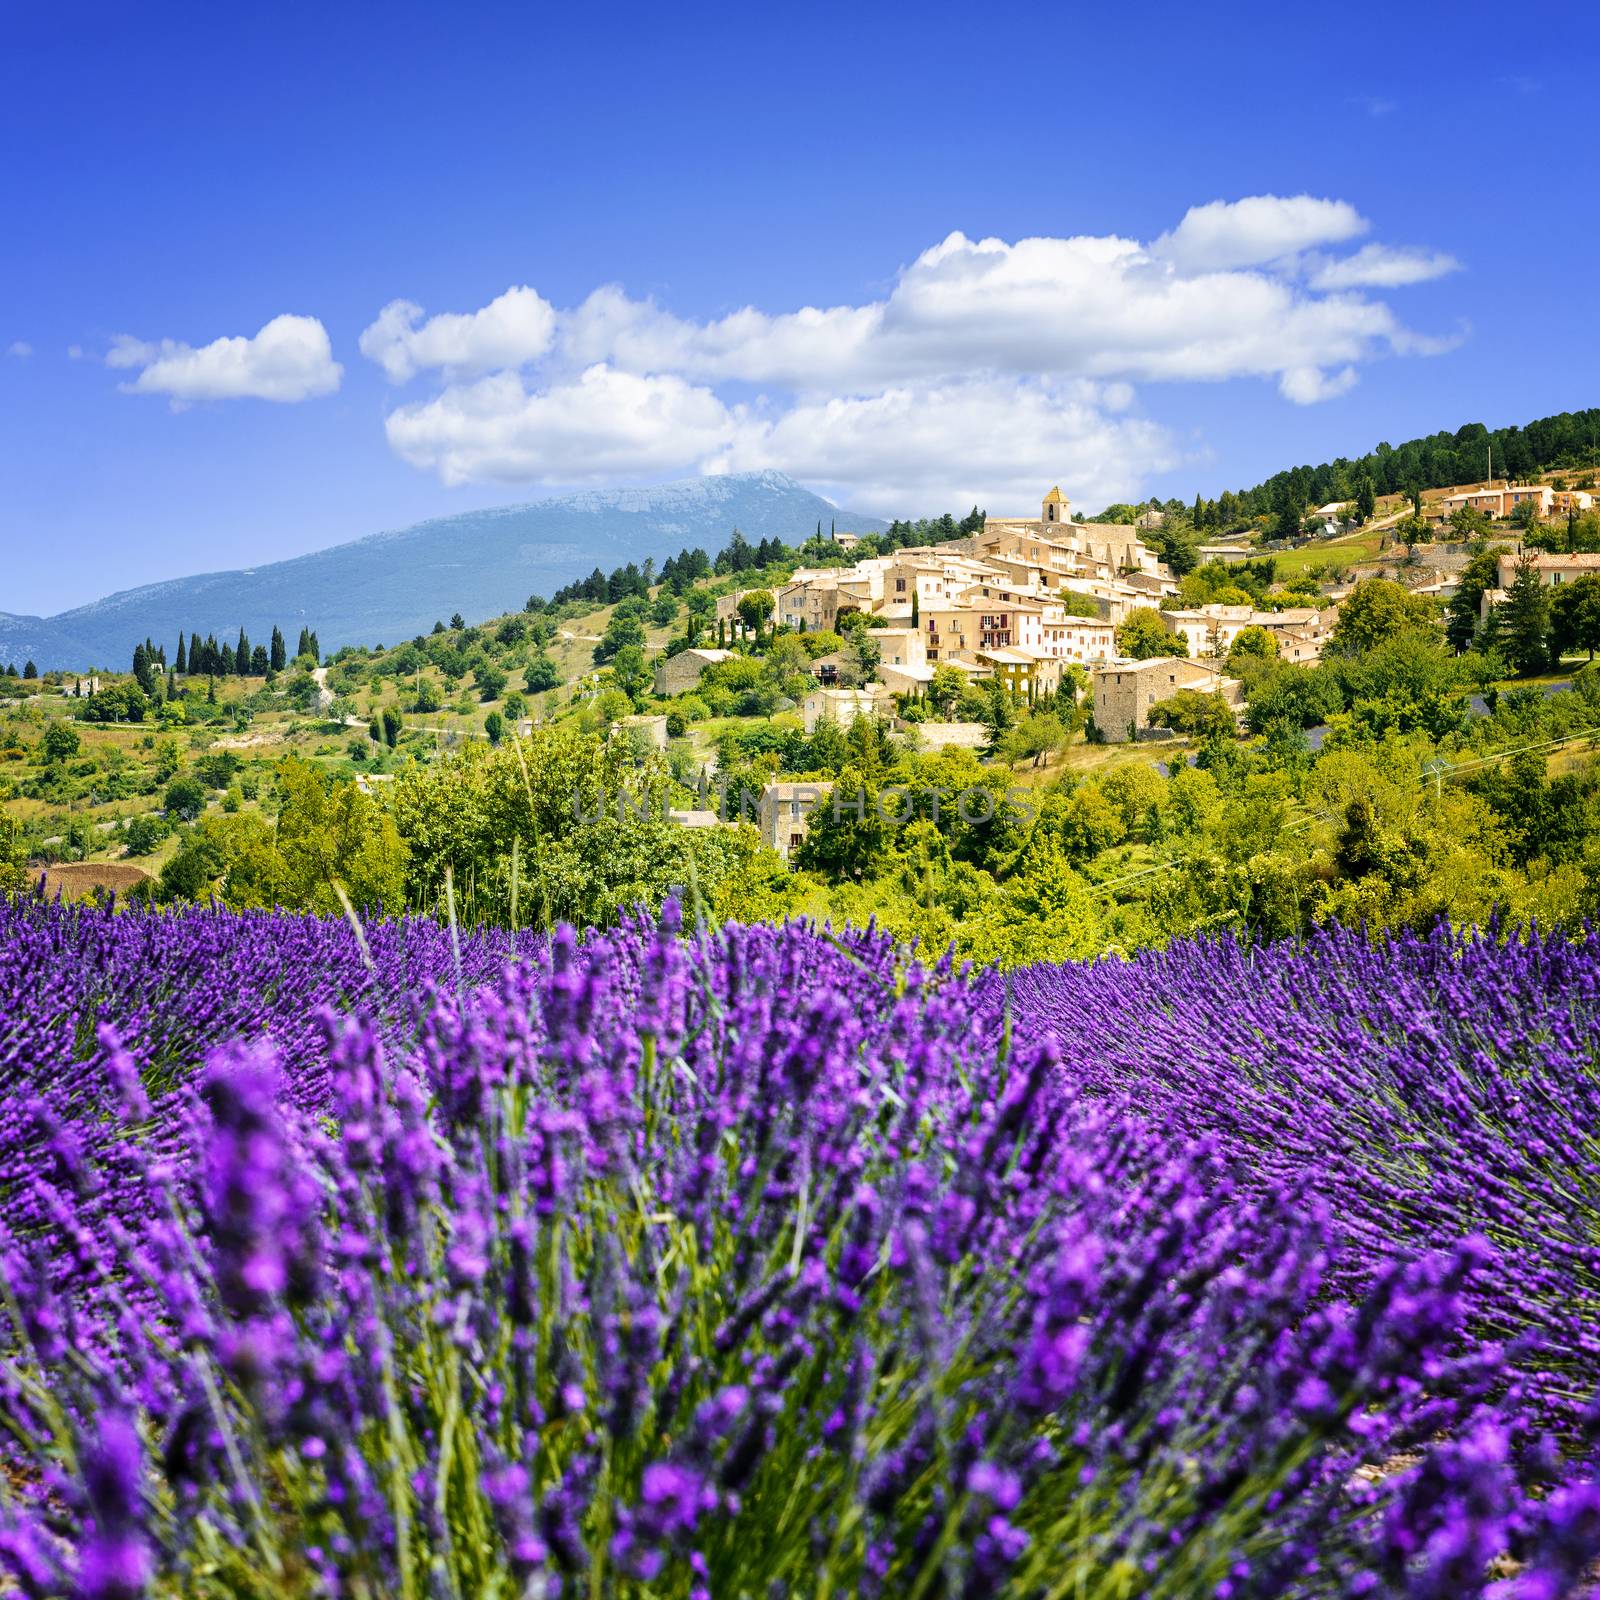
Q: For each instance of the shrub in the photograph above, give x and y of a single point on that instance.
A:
(185, 799)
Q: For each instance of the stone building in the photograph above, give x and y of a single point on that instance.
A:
(1124, 691)
(682, 672)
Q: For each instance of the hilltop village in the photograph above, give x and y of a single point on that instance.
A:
(1025, 735)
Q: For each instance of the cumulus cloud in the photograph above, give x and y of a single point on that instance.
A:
(514, 328)
(20, 348)
(1382, 266)
(987, 363)
(1306, 386)
(602, 425)
(966, 442)
(1262, 228)
(290, 359)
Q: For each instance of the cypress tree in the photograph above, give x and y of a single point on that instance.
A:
(241, 652)
(314, 647)
(181, 664)
(1526, 620)
(279, 656)
(1367, 498)
(225, 665)
(29, 670)
(304, 646)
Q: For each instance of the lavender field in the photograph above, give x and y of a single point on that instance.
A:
(759, 1264)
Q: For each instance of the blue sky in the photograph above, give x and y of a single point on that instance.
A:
(988, 207)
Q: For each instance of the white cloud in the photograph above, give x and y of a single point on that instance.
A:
(603, 425)
(979, 441)
(1256, 230)
(74, 352)
(987, 364)
(290, 359)
(511, 330)
(1382, 266)
(1306, 386)
(20, 348)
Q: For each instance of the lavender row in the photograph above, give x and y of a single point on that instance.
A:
(746, 1263)
(1425, 1088)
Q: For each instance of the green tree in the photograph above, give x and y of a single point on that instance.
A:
(1251, 644)
(755, 610)
(1288, 506)
(1195, 712)
(1366, 498)
(631, 673)
(494, 725)
(1525, 620)
(946, 686)
(327, 833)
(60, 742)
(185, 799)
(142, 836)
(192, 873)
(541, 675)
(1375, 610)
(1468, 523)
(1575, 617)
(1464, 613)
(1143, 636)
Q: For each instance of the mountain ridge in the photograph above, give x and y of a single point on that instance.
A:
(392, 584)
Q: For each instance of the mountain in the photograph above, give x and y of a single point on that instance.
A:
(390, 586)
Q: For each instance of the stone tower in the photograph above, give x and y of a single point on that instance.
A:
(1056, 506)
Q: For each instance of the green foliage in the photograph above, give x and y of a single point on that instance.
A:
(489, 680)
(1251, 644)
(1376, 610)
(1524, 620)
(142, 836)
(1143, 636)
(541, 675)
(185, 799)
(1194, 712)
(61, 742)
(563, 826)
(1575, 617)
(1480, 574)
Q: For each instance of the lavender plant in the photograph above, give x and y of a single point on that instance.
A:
(756, 1263)
(1426, 1088)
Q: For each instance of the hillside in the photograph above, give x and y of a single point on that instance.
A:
(392, 585)
(1565, 442)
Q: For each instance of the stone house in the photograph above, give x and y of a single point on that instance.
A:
(682, 672)
(1124, 691)
(844, 705)
(785, 811)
